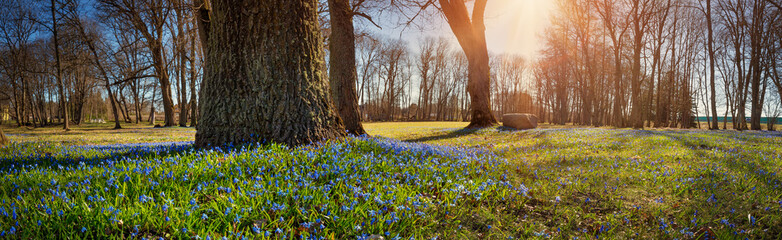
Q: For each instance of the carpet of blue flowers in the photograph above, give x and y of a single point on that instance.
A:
(348, 188)
(546, 183)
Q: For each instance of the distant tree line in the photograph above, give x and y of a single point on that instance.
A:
(657, 63)
(122, 60)
(397, 83)
(63, 62)
(624, 63)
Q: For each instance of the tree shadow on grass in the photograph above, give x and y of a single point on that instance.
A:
(67, 157)
(445, 135)
(712, 191)
(744, 163)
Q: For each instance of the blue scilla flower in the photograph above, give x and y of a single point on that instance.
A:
(204, 217)
(711, 199)
(83, 229)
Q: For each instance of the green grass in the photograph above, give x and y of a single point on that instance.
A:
(436, 180)
(99, 133)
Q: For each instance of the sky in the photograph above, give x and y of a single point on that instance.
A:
(512, 26)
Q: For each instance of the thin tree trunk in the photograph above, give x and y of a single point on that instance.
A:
(635, 114)
(756, 32)
(152, 107)
(165, 84)
(714, 122)
(63, 104)
(181, 44)
(193, 103)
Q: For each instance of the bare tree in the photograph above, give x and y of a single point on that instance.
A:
(148, 17)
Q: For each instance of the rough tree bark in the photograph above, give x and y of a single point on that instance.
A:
(471, 34)
(342, 65)
(264, 80)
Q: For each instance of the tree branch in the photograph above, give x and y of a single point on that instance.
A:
(367, 17)
(777, 5)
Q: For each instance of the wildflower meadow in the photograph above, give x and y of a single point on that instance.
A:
(403, 181)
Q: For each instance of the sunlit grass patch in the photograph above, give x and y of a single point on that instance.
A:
(442, 181)
(99, 133)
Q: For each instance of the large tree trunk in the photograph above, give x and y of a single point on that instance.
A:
(471, 34)
(342, 65)
(264, 80)
(478, 86)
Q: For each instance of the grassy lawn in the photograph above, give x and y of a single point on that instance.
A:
(100, 133)
(409, 180)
